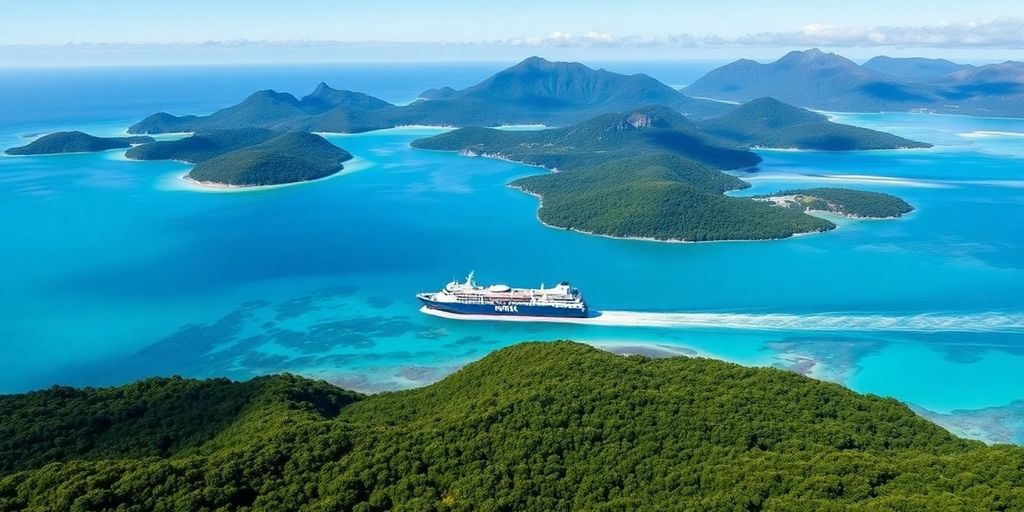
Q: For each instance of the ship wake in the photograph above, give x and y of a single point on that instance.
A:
(927, 322)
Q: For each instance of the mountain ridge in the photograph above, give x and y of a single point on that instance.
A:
(534, 91)
(827, 81)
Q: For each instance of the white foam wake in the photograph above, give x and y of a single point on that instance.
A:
(969, 322)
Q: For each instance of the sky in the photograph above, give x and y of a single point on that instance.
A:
(104, 32)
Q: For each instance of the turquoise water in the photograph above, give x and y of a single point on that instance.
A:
(112, 270)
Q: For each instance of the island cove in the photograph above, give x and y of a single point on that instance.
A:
(637, 159)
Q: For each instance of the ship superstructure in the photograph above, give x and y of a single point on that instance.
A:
(466, 297)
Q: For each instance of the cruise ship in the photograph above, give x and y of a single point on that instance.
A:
(468, 298)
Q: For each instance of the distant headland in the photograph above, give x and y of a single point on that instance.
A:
(75, 142)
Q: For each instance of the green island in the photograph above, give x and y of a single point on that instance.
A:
(201, 146)
(770, 123)
(536, 426)
(246, 157)
(661, 197)
(841, 201)
(75, 142)
(534, 91)
(654, 174)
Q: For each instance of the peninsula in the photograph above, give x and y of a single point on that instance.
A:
(75, 142)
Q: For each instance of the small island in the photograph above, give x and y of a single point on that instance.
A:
(654, 174)
(858, 204)
(290, 158)
(249, 157)
(75, 142)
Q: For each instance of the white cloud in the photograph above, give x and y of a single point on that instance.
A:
(1007, 32)
(1000, 32)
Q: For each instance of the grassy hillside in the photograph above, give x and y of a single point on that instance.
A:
(539, 426)
(74, 142)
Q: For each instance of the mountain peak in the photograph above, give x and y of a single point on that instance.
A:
(533, 62)
(814, 56)
(321, 89)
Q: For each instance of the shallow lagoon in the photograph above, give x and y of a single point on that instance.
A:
(112, 272)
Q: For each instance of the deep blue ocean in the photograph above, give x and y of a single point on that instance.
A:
(113, 270)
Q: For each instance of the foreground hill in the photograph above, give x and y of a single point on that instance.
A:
(828, 81)
(249, 156)
(74, 142)
(533, 91)
(538, 426)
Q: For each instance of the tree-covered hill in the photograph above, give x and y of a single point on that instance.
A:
(287, 158)
(649, 130)
(854, 203)
(202, 145)
(553, 93)
(538, 426)
(75, 142)
(767, 122)
(663, 197)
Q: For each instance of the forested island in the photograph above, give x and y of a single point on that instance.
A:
(249, 156)
(660, 197)
(75, 142)
(655, 174)
(537, 426)
(840, 201)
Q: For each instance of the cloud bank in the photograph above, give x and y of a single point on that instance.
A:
(999, 33)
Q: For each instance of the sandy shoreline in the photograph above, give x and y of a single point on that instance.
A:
(183, 182)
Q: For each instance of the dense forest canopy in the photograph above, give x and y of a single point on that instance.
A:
(537, 426)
